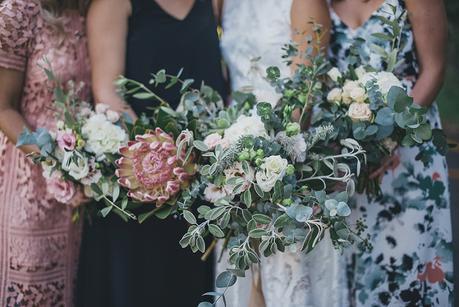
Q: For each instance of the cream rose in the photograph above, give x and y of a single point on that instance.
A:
(335, 95)
(348, 88)
(386, 80)
(272, 170)
(358, 94)
(360, 112)
(334, 74)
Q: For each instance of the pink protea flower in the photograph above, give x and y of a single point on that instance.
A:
(151, 168)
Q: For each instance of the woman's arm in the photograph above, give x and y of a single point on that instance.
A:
(305, 14)
(12, 123)
(218, 10)
(429, 22)
(107, 33)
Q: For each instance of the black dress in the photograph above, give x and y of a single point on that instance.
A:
(127, 264)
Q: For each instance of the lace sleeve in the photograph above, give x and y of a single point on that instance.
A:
(17, 23)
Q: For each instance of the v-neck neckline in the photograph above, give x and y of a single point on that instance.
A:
(173, 16)
(361, 26)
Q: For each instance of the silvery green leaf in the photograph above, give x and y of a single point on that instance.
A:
(201, 245)
(189, 217)
(200, 145)
(105, 211)
(247, 198)
(116, 192)
(143, 95)
(224, 221)
(214, 213)
(385, 117)
(186, 84)
(261, 218)
(257, 233)
(245, 167)
(185, 241)
(216, 231)
(246, 215)
(424, 132)
(225, 279)
(281, 220)
(124, 203)
(203, 209)
(205, 170)
(398, 99)
(259, 191)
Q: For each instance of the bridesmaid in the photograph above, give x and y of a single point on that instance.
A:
(127, 264)
(411, 263)
(39, 243)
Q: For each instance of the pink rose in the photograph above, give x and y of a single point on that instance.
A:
(66, 140)
(212, 140)
(63, 191)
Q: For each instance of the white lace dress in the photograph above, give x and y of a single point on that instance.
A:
(259, 29)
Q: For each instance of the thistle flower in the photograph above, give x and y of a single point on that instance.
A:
(151, 168)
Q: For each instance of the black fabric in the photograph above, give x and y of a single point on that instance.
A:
(127, 264)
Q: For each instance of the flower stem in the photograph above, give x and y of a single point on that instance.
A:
(209, 250)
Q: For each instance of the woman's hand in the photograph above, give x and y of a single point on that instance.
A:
(429, 22)
(107, 34)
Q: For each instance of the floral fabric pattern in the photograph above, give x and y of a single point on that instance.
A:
(39, 243)
(411, 263)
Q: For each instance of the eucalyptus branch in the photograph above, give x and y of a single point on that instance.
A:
(128, 214)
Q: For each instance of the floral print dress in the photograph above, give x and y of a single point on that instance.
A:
(411, 263)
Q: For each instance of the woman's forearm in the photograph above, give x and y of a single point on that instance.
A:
(12, 124)
(428, 87)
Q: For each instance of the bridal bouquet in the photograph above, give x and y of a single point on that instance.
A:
(361, 103)
(121, 164)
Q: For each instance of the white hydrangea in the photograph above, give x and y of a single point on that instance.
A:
(244, 126)
(102, 136)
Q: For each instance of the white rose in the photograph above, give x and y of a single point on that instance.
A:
(102, 136)
(360, 112)
(334, 74)
(358, 94)
(75, 164)
(113, 116)
(272, 170)
(360, 72)
(386, 80)
(212, 140)
(335, 95)
(101, 108)
(213, 193)
(348, 88)
(244, 126)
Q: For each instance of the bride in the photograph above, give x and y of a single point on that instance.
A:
(254, 31)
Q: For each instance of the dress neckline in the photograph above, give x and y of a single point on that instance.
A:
(173, 16)
(361, 26)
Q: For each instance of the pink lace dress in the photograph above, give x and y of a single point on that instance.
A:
(39, 243)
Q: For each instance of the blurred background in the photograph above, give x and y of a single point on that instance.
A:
(449, 109)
